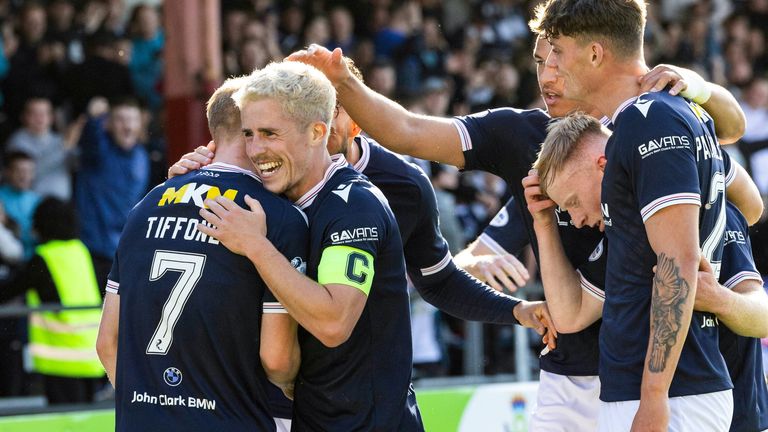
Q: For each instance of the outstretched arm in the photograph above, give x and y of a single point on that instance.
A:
(730, 121)
(424, 137)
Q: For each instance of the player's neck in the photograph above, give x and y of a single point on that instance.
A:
(353, 153)
(622, 85)
(312, 177)
(233, 156)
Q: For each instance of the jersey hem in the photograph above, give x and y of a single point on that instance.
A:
(666, 201)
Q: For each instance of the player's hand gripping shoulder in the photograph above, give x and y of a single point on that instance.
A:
(501, 272)
(330, 63)
(236, 228)
(541, 207)
(535, 315)
(202, 156)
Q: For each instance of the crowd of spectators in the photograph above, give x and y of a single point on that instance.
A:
(81, 100)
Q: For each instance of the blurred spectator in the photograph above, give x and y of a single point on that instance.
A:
(425, 337)
(61, 28)
(754, 143)
(147, 40)
(317, 31)
(342, 30)
(113, 177)
(101, 74)
(62, 345)
(11, 363)
(17, 196)
(52, 155)
(35, 67)
(382, 78)
(291, 25)
(445, 178)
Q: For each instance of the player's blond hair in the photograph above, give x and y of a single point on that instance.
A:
(222, 113)
(303, 92)
(562, 144)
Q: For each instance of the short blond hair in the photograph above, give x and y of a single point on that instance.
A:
(220, 110)
(303, 92)
(564, 137)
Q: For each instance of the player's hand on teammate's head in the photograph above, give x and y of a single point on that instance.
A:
(503, 272)
(542, 208)
(236, 228)
(535, 315)
(331, 63)
(202, 156)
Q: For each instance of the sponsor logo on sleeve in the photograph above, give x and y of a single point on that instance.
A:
(734, 237)
(501, 218)
(299, 264)
(355, 235)
(597, 253)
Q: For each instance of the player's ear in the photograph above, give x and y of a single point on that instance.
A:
(354, 129)
(319, 132)
(601, 161)
(597, 52)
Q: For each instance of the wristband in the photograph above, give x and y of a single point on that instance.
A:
(697, 90)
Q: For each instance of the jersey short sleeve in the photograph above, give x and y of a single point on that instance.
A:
(506, 233)
(352, 240)
(730, 169)
(502, 141)
(738, 264)
(658, 152)
(113, 279)
(291, 240)
(425, 250)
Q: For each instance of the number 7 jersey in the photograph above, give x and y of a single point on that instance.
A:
(190, 310)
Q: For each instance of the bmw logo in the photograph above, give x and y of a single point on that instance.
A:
(172, 376)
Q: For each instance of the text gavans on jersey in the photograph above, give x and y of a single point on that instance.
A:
(355, 234)
(177, 228)
(663, 144)
(197, 193)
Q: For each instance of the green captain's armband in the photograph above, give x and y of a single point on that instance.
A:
(346, 266)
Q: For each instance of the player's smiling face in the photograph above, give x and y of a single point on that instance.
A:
(569, 59)
(277, 146)
(551, 85)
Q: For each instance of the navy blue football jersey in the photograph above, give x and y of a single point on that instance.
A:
(364, 383)
(743, 355)
(427, 258)
(190, 310)
(505, 142)
(663, 152)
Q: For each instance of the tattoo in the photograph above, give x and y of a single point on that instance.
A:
(670, 292)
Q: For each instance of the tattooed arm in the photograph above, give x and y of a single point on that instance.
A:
(674, 236)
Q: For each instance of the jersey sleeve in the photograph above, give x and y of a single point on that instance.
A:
(353, 239)
(729, 167)
(501, 141)
(113, 279)
(738, 263)
(291, 240)
(506, 233)
(592, 272)
(658, 151)
(426, 251)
